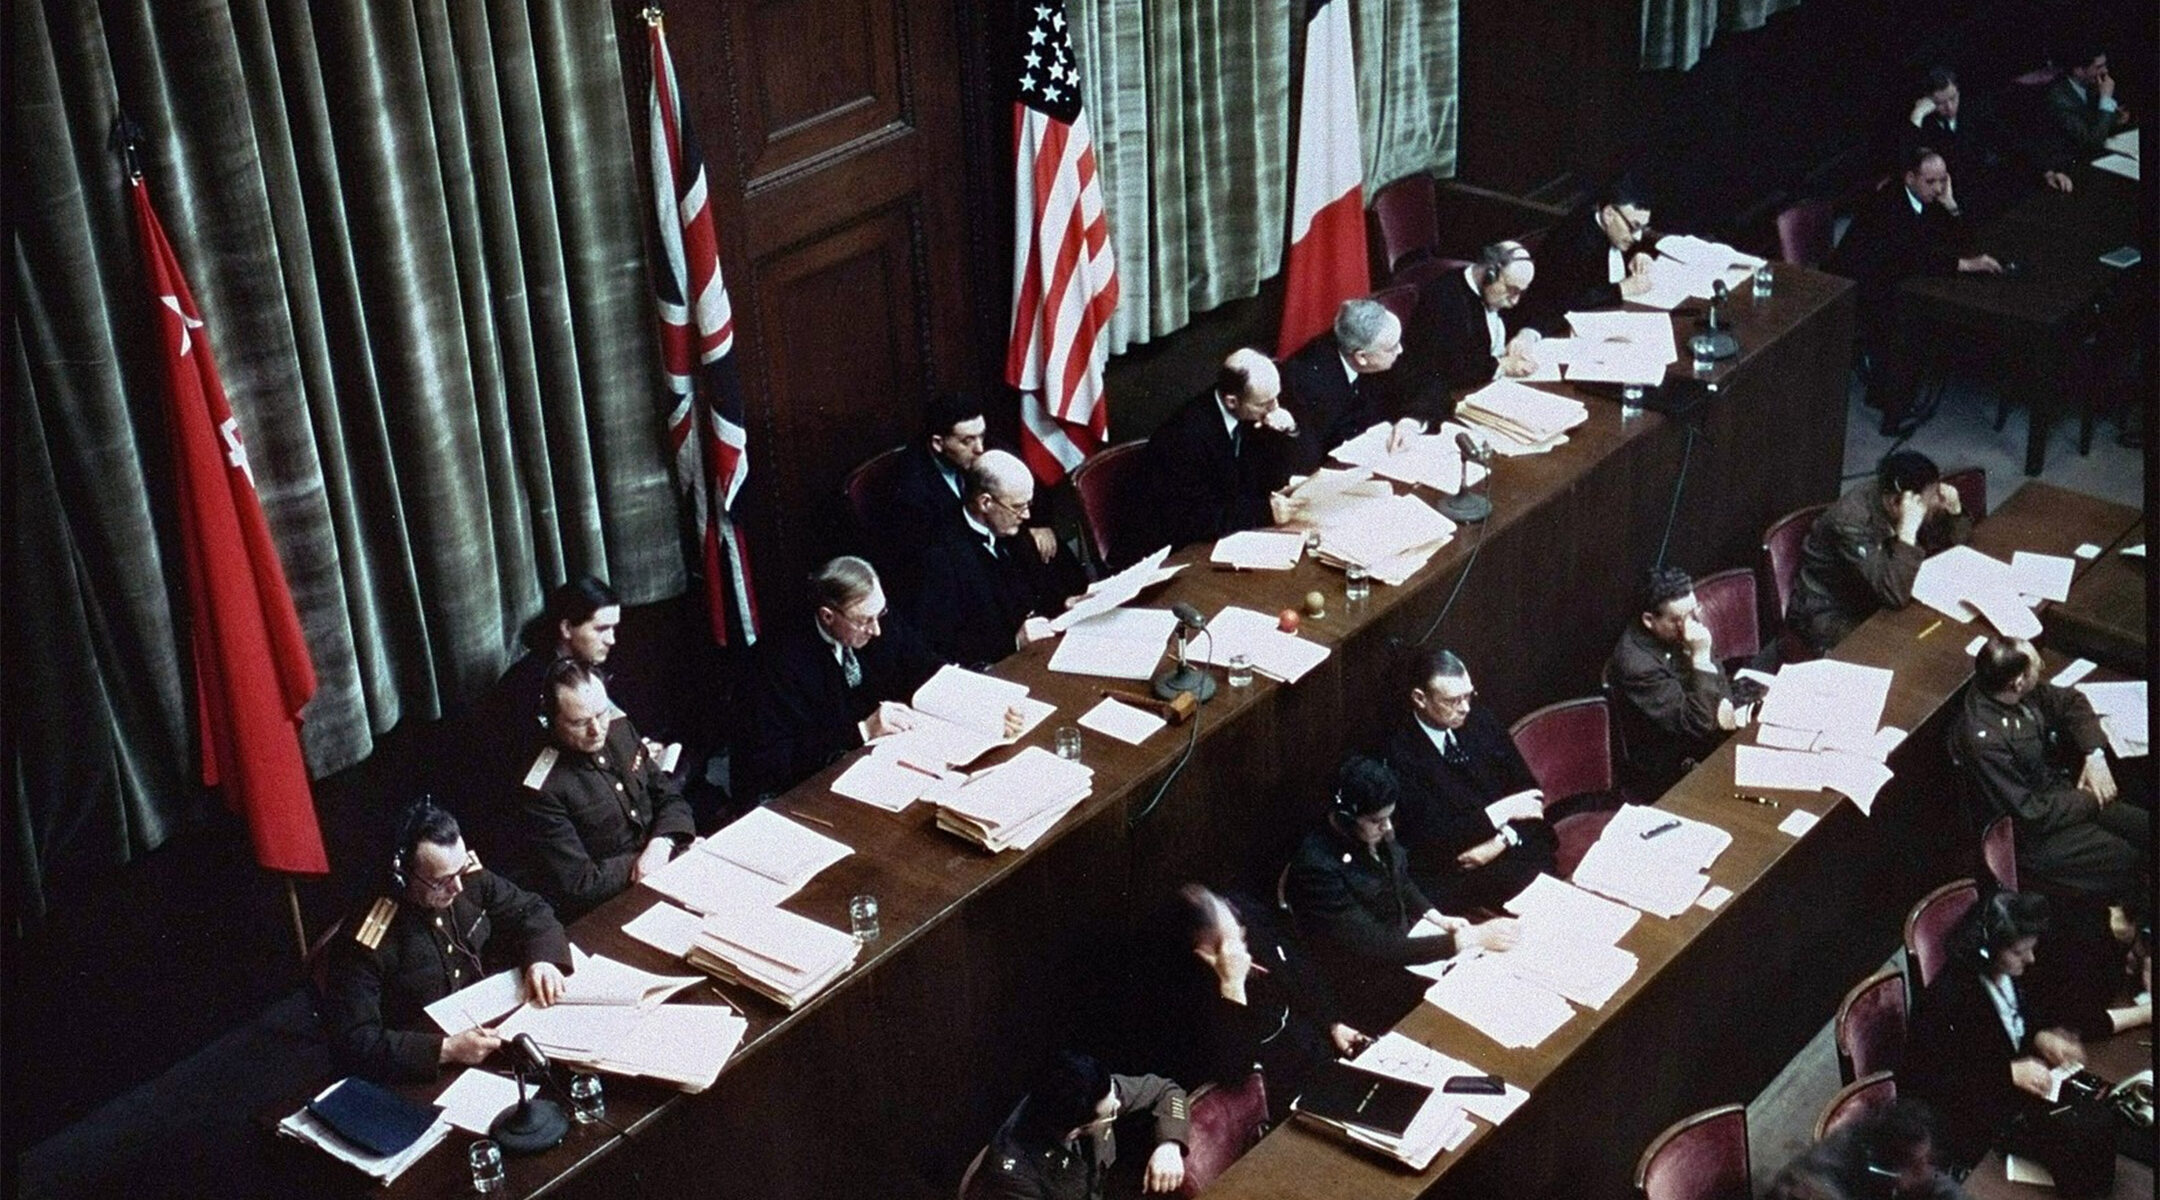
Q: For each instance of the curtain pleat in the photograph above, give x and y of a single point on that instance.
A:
(415, 237)
(1676, 32)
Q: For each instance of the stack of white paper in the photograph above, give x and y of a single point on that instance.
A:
(1259, 550)
(1843, 701)
(1107, 594)
(705, 882)
(1396, 1056)
(884, 781)
(665, 928)
(1652, 859)
(1380, 530)
(304, 1126)
(786, 852)
(1432, 460)
(1124, 643)
(2123, 715)
(1278, 655)
(960, 716)
(1567, 944)
(1521, 418)
(1621, 347)
(780, 955)
(1480, 991)
(1556, 903)
(1015, 802)
(1962, 583)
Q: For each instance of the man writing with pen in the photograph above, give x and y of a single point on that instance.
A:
(442, 929)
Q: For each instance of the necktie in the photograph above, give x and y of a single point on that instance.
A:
(850, 667)
(1451, 749)
(1237, 440)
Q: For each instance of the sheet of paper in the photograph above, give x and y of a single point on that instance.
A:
(1778, 737)
(2087, 551)
(1856, 777)
(2125, 143)
(2044, 575)
(1686, 247)
(1797, 822)
(1875, 749)
(2008, 613)
(1122, 721)
(1827, 696)
(2078, 669)
(784, 851)
(978, 702)
(1582, 971)
(883, 781)
(1281, 656)
(1555, 903)
(1120, 588)
(574, 1029)
(1713, 898)
(1259, 550)
(1786, 770)
(708, 883)
(1973, 647)
(2026, 1171)
(1377, 529)
(479, 1003)
(1397, 1056)
(2123, 715)
(665, 928)
(682, 1044)
(2118, 164)
(2137, 551)
(601, 980)
(475, 1098)
(1502, 1006)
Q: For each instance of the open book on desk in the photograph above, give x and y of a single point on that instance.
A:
(960, 716)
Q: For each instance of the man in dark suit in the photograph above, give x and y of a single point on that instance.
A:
(927, 486)
(1670, 692)
(1905, 229)
(1460, 770)
(1991, 169)
(983, 592)
(1211, 467)
(1594, 258)
(1334, 386)
(820, 689)
(1465, 331)
(2081, 104)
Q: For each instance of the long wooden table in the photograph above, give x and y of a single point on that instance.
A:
(1721, 1000)
(2104, 620)
(2035, 320)
(887, 1084)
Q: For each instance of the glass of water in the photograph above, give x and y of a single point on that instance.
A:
(487, 1167)
(1356, 583)
(862, 915)
(1764, 282)
(1068, 742)
(587, 1102)
(1240, 671)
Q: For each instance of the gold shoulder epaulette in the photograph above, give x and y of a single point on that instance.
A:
(540, 768)
(371, 931)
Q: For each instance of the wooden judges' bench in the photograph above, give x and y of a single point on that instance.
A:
(888, 1083)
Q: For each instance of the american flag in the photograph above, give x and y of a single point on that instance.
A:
(697, 352)
(1064, 275)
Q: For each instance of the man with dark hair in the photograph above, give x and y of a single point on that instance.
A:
(1472, 819)
(599, 813)
(1466, 330)
(982, 592)
(1670, 692)
(817, 689)
(1211, 467)
(1901, 231)
(446, 925)
(928, 482)
(1061, 1143)
(1334, 386)
(1349, 886)
(1595, 257)
(1990, 169)
(1888, 1154)
(2079, 832)
(2082, 102)
(1863, 553)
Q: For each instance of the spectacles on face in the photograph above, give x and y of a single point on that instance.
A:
(1459, 700)
(1019, 510)
(446, 884)
(1633, 227)
(869, 622)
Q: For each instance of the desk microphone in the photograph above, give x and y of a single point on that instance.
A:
(536, 1123)
(1716, 342)
(1466, 507)
(1185, 678)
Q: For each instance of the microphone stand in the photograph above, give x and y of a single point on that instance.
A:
(536, 1123)
(1716, 342)
(1466, 507)
(1185, 678)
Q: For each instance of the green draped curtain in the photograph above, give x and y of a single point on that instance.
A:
(1190, 105)
(1676, 32)
(416, 238)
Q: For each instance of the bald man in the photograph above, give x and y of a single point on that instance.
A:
(1210, 467)
(1465, 332)
(983, 590)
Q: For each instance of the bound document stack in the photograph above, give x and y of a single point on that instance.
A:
(367, 1127)
(1015, 802)
(1522, 419)
(779, 955)
(1409, 1122)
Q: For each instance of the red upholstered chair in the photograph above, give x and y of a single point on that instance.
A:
(1781, 566)
(1407, 212)
(1568, 747)
(1400, 299)
(1109, 508)
(1731, 612)
(1416, 273)
(1226, 1122)
(1998, 850)
(867, 488)
(1854, 1101)
(1870, 1026)
(1971, 485)
(1928, 926)
(1804, 232)
(1703, 1157)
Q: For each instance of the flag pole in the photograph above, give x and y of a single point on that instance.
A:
(299, 925)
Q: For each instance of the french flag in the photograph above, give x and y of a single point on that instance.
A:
(1325, 264)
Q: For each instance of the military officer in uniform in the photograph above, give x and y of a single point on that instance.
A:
(442, 930)
(2077, 832)
(1863, 553)
(599, 813)
(1060, 1144)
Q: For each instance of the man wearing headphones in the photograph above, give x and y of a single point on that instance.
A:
(2077, 832)
(1863, 553)
(444, 926)
(1349, 886)
(1466, 332)
(599, 813)
(1887, 1154)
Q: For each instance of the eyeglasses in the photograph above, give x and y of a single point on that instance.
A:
(863, 622)
(1634, 227)
(1455, 701)
(1019, 510)
(444, 884)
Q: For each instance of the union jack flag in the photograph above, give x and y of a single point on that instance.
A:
(1065, 284)
(697, 353)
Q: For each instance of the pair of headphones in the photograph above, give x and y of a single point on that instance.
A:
(1342, 806)
(1996, 925)
(417, 814)
(1494, 261)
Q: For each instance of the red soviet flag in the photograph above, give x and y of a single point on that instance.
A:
(252, 671)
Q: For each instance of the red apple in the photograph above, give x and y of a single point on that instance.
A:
(1288, 623)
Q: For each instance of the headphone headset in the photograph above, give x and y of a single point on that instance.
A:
(1494, 261)
(1344, 807)
(1996, 925)
(418, 813)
